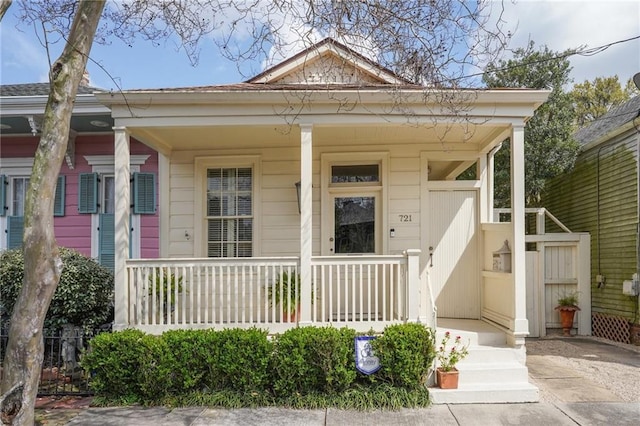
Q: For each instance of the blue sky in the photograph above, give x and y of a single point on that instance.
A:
(561, 24)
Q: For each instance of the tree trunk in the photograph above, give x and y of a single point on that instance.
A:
(4, 5)
(42, 263)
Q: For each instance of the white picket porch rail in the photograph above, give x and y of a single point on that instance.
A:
(362, 292)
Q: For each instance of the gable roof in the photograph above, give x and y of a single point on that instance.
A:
(326, 62)
(608, 123)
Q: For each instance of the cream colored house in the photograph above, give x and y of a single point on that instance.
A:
(381, 228)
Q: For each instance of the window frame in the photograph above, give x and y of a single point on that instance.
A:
(202, 165)
(12, 167)
(224, 218)
(105, 165)
(330, 190)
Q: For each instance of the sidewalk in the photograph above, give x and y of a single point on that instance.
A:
(572, 401)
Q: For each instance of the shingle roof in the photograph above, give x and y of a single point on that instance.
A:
(279, 87)
(37, 89)
(609, 122)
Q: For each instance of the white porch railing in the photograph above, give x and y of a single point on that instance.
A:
(359, 291)
(363, 292)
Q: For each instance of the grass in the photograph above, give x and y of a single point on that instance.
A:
(360, 398)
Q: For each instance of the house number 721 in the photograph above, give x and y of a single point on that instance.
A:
(405, 217)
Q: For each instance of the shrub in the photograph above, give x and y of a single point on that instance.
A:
(306, 367)
(191, 354)
(84, 296)
(128, 365)
(406, 352)
(313, 359)
(243, 360)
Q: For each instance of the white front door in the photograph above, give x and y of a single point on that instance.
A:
(452, 242)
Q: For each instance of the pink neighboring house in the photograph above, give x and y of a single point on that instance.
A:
(90, 154)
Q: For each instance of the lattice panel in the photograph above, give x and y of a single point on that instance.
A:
(610, 327)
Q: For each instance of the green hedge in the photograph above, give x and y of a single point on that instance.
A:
(407, 352)
(305, 367)
(84, 296)
(312, 359)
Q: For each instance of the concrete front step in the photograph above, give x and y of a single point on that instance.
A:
(472, 332)
(495, 372)
(491, 373)
(483, 354)
(485, 393)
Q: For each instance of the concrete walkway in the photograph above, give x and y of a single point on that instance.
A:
(576, 401)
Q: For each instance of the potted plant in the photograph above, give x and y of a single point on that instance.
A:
(567, 307)
(165, 290)
(285, 293)
(448, 356)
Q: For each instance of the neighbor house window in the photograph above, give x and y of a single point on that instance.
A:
(19, 190)
(229, 212)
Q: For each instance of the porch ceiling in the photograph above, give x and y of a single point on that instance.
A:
(452, 136)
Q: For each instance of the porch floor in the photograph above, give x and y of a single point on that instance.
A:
(493, 372)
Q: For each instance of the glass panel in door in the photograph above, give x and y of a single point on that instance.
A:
(354, 224)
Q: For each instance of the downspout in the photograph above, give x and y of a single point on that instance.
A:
(599, 278)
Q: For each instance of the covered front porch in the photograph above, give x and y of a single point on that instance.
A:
(364, 292)
(420, 252)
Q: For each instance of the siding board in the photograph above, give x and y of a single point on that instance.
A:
(600, 196)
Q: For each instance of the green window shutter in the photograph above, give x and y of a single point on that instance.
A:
(15, 229)
(144, 193)
(88, 193)
(58, 206)
(107, 243)
(4, 184)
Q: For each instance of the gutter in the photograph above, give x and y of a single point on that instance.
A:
(35, 105)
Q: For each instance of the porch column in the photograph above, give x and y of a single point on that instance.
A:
(121, 218)
(414, 292)
(164, 166)
(491, 183)
(306, 176)
(518, 261)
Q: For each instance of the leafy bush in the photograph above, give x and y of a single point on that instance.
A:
(313, 359)
(127, 365)
(191, 354)
(243, 360)
(84, 296)
(306, 367)
(406, 352)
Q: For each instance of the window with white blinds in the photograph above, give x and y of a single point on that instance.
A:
(229, 212)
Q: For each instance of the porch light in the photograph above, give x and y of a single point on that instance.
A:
(502, 258)
(298, 194)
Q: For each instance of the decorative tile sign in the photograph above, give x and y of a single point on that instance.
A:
(366, 361)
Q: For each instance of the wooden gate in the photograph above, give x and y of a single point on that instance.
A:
(558, 264)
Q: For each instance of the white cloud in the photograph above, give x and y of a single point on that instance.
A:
(567, 24)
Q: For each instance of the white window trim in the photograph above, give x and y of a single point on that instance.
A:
(108, 160)
(199, 211)
(104, 164)
(329, 190)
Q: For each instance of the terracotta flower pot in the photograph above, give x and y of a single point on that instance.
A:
(447, 379)
(566, 318)
(291, 316)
